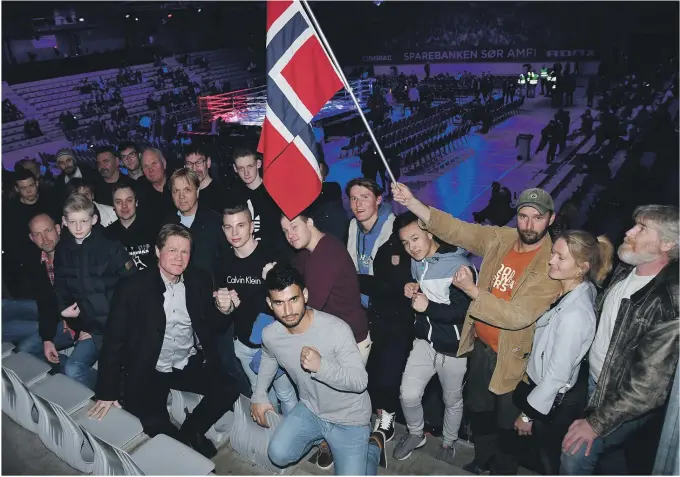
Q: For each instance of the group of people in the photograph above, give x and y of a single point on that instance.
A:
(174, 281)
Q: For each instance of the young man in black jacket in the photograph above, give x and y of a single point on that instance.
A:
(242, 294)
(161, 335)
(205, 224)
(266, 214)
(440, 310)
(391, 327)
(135, 233)
(87, 266)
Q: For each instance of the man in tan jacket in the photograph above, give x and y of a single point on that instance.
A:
(512, 292)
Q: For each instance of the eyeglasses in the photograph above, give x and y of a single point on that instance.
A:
(199, 163)
(128, 156)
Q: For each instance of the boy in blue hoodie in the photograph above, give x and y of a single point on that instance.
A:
(440, 309)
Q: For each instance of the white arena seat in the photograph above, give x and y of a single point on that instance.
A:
(17, 401)
(27, 367)
(66, 392)
(251, 440)
(7, 349)
(63, 436)
(119, 428)
(161, 455)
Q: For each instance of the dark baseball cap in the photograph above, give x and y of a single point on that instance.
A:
(538, 199)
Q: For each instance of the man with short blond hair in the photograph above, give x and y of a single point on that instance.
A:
(205, 224)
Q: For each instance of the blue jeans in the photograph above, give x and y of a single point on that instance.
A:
(282, 387)
(19, 319)
(301, 429)
(78, 365)
(579, 464)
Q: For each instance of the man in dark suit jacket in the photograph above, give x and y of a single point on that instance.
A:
(160, 335)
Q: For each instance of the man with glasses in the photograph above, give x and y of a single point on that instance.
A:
(213, 193)
(129, 154)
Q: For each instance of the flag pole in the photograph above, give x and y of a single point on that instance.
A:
(347, 86)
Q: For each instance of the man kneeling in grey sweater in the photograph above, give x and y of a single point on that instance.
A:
(321, 357)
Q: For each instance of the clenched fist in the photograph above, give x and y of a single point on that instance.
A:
(226, 300)
(310, 359)
(410, 289)
(464, 280)
(419, 302)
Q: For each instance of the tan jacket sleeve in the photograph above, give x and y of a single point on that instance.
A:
(528, 304)
(472, 237)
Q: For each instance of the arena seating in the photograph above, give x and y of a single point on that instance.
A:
(52, 97)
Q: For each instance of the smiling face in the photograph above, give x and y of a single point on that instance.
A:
(289, 305)
(563, 266)
(364, 203)
(298, 231)
(238, 228)
(418, 243)
(174, 257)
(199, 164)
(125, 203)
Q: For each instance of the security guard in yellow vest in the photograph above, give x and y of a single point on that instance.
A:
(532, 79)
(544, 79)
(521, 82)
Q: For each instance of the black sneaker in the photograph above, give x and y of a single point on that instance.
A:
(474, 468)
(199, 443)
(324, 459)
(385, 423)
(377, 438)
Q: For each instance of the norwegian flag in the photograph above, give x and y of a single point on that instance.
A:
(300, 81)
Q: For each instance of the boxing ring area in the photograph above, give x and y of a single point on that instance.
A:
(248, 106)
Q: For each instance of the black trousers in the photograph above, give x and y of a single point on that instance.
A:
(492, 416)
(148, 401)
(549, 435)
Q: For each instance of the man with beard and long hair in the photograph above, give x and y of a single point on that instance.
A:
(319, 353)
(635, 353)
(513, 290)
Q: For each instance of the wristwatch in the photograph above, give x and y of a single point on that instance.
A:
(525, 418)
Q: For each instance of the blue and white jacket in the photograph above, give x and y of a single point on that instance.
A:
(442, 321)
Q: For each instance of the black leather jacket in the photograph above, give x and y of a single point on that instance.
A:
(638, 370)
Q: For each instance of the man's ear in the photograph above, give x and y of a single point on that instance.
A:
(269, 302)
(305, 295)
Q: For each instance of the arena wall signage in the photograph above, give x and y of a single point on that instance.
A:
(486, 54)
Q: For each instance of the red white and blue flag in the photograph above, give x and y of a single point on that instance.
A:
(300, 81)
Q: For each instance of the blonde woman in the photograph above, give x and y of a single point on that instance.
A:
(552, 395)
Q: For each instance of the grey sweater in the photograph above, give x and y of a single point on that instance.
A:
(337, 393)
